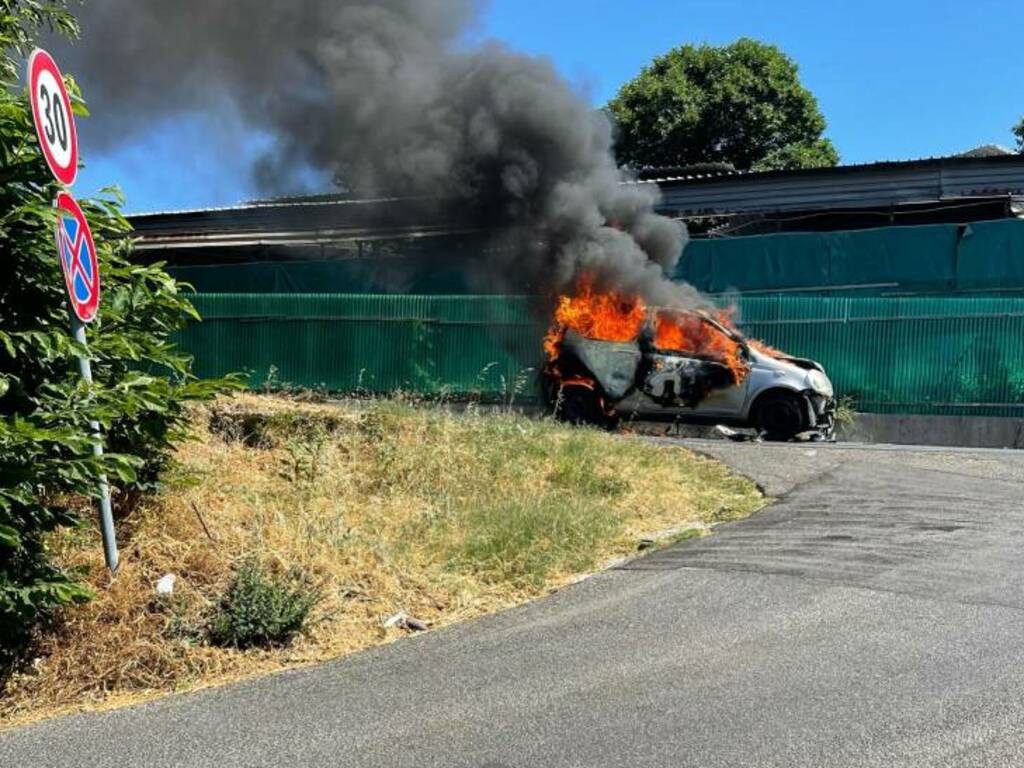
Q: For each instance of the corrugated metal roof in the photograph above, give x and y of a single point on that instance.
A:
(715, 193)
(289, 223)
(871, 185)
(686, 173)
(284, 202)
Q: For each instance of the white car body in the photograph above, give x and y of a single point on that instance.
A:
(637, 380)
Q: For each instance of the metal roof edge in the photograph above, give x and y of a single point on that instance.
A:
(728, 177)
(879, 165)
(265, 204)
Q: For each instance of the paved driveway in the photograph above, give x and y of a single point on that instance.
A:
(872, 617)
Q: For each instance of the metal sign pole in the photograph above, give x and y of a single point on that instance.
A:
(54, 120)
(106, 514)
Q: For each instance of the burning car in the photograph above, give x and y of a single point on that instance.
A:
(610, 357)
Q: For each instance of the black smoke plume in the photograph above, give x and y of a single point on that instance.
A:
(388, 97)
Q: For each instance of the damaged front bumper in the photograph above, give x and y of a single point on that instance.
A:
(821, 414)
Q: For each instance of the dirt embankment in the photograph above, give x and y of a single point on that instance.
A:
(383, 508)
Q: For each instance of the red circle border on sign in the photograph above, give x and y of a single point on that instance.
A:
(84, 311)
(38, 61)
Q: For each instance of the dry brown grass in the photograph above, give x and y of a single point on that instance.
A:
(387, 507)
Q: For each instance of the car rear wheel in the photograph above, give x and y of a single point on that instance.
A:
(780, 416)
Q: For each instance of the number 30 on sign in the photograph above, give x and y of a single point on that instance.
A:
(54, 121)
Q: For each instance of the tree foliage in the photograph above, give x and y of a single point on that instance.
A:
(1018, 131)
(141, 381)
(741, 104)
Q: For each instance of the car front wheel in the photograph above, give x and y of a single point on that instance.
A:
(780, 416)
(582, 406)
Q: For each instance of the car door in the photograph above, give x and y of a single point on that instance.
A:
(708, 363)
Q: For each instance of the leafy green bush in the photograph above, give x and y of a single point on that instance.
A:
(262, 609)
(141, 381)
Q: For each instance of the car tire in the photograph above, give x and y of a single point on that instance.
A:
(582, 406)
(780, 416)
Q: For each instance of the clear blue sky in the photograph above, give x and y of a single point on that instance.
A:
(897, 79)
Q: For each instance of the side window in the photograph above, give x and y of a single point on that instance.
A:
(691, 335)
(676, 332)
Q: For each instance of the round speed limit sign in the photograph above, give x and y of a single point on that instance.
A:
(51, 111)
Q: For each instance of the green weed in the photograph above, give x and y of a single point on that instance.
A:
(261, 609)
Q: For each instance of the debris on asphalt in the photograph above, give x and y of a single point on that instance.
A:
(660, 537)
(735, 435)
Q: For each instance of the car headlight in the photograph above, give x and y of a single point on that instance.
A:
(820, 383)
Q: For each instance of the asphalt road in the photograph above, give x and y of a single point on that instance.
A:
(874, 616)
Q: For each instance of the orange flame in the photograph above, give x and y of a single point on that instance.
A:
(609, 316)
(616, 316)
(691, 335)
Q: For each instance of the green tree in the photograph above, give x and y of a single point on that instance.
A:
(141, 385)
(1018, 131)
(741, 104)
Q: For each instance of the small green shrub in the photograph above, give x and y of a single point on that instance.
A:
(261, 609)
(304, 456)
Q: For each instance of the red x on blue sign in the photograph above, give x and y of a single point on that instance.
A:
(78, 258)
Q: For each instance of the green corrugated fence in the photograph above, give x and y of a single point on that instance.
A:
(891, 355)
(983, 257)
(377, 343)
(958, 356)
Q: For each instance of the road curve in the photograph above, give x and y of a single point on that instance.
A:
(873, 616)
